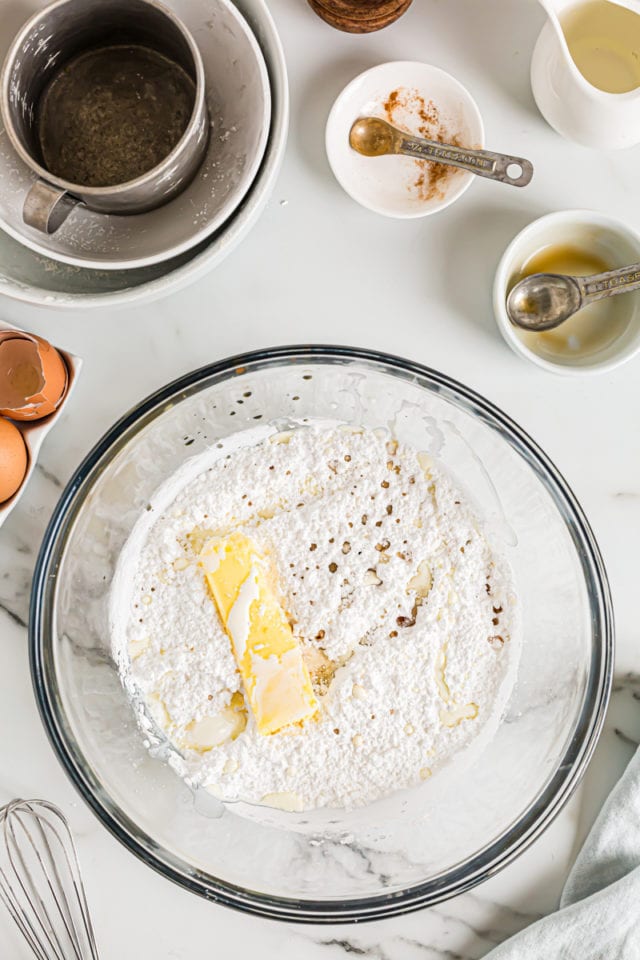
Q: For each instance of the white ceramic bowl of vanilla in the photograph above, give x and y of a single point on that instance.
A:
(602, 335)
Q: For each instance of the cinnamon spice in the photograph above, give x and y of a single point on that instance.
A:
(409, 111)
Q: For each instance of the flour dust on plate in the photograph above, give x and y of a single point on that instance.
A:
(313, 618)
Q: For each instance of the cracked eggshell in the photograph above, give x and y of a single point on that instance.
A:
(33, 432)
(33, 376)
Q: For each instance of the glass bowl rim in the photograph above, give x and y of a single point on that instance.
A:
(485, 862)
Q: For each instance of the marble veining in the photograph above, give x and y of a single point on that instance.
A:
(49, 475)
(502, 922)
(15, 617)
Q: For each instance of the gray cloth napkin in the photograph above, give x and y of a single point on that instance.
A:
(599, 914)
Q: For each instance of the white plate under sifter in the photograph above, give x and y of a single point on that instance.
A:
(239, 102)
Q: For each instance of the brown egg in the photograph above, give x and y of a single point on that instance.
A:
(33, 376)
(13, 459)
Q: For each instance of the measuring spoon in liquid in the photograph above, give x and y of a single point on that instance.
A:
(542, 301)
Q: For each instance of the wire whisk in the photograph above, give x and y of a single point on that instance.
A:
(41, 884)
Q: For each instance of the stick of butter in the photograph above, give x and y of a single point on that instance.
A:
(269, 658)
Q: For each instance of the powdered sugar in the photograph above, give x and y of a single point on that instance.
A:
(406, 617)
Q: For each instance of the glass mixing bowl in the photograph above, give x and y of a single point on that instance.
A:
(414, 849)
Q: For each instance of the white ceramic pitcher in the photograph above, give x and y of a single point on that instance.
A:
(573, 106)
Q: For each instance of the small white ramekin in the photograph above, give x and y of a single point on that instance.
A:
(386, 184)
(604, 235)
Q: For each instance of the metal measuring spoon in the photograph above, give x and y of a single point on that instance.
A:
(543, 301)
(373, 137)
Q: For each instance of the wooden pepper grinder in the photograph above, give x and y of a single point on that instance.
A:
(359, 16)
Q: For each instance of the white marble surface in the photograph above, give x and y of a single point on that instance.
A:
(319, 268)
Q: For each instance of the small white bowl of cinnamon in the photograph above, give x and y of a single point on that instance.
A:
(419, 99)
